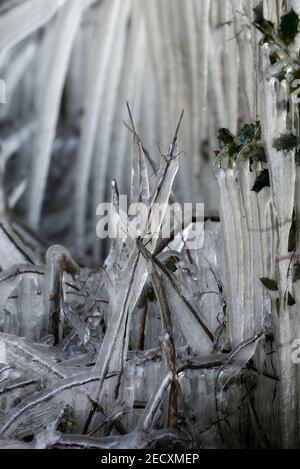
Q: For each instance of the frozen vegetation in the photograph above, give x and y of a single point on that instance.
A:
(139, 343)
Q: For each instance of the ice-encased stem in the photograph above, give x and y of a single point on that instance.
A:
(282, 178)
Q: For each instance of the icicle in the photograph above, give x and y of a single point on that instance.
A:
(140, 191)
(19, 22)
(31, 312)
(237, 359)
(21, 354)
(215, 68)
(188, 320)
(132, 278)
(97, 75)
(14, 142)
(204, 8)
(77, 323)
(45, 416)
(106, 120)
(6, 289)
(231, 256)
(58, 262)
(131, 90)
(282, 178)
(246, 55)
(15, 74)
(231, 69)
(153, 31)
(12, 249)
(16, 415)
(65, 30)
(247, 228)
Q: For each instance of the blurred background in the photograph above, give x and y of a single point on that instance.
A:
(70, 65)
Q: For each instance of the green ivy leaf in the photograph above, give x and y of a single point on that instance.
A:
(288, 27)
(269, 284)
(250, 132)
(247, 133)
(285, 142)
(225, 137)
(262, 180)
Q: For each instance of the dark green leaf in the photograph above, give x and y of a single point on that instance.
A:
(285, 142)
(259, 12)
(291, 301)
(264, 26)
(269, 284)
(273, 57)
(262, 180)
(232, 149)
(247, 133)
(251, 133)
(258, 154)
(296, 73)
(225, 137)
(288, 27)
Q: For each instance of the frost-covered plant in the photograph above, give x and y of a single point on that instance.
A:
(82, 352)
(160, 345)
(256, 173)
